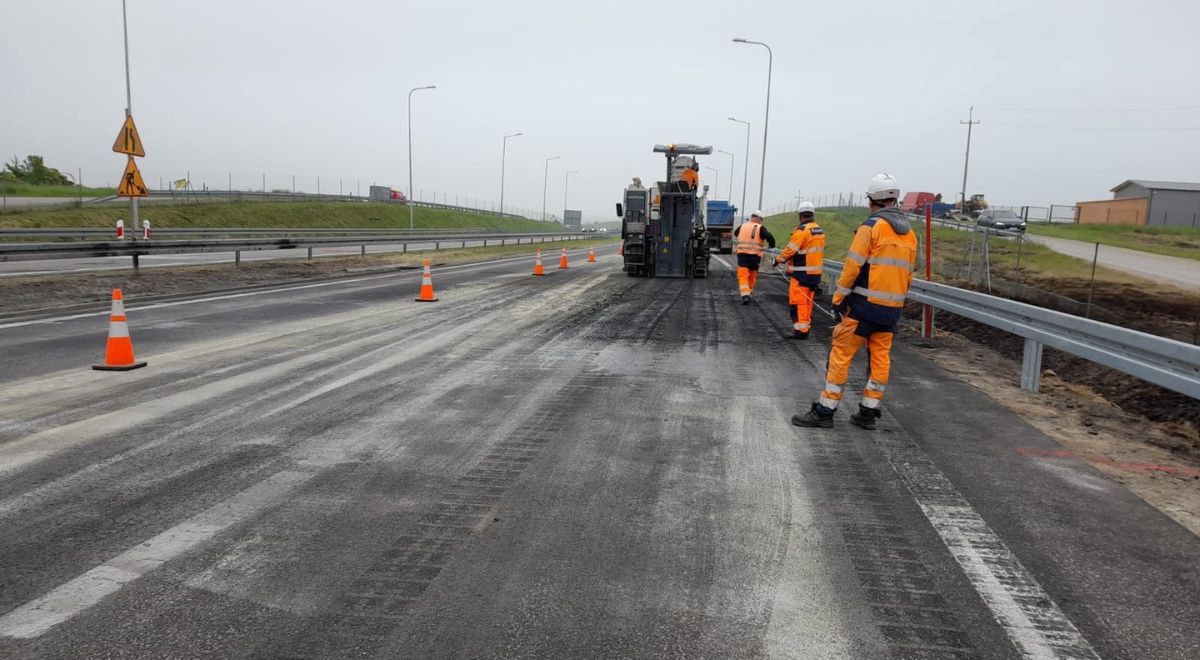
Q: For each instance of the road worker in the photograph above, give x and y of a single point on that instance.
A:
(869, 299)
(804, 256)
(691, 176)
(749, 243)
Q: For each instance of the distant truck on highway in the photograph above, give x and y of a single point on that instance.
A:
(719, 222)
(385, 194)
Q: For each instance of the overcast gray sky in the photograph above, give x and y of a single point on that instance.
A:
(1074, 96)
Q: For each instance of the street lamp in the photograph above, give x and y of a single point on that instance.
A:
(133, 201)
(410, 173)
(566, 187)
(716, 179)
(503, 155)
(545, 180)
(746, 167)
(732, 170)
(767, 119)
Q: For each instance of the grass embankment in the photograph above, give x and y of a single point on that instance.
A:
(30, 190)
(950, 250)
(296, 215)
(1169, 241)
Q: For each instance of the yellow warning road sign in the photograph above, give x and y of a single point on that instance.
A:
(128, 141)
(131, 182)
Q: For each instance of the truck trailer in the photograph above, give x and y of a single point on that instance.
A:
(719, 223)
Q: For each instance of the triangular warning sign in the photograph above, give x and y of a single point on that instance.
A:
(128, 141)
(131, 182)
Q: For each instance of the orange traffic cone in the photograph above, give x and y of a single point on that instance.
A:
(562, 263)
(591, 255)
(537, 265)
(427, 294)
(118, 355)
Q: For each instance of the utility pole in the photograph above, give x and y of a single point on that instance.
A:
(503, 156)
(762, 174)
(409, 201)
(970, 123)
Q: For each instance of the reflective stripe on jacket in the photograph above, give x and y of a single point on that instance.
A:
(805, 254)
(878, 270)
(749, 239)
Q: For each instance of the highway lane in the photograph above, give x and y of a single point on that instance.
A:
(578, 465)
(49, 266)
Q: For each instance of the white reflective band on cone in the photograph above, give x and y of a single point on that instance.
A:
(118, 329)
(870, 403)
(118, 308)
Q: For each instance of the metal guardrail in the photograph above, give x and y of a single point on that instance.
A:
(1164, 362)
(88, 232)
(136, 248)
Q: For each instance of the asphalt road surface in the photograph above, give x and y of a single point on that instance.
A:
(49, 266)
(1172, 270)
(580, 465)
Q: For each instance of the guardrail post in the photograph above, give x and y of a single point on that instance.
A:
(310, 254)
(1031, 366)
(464, 244)
(364, 250)
(237, 258)
(437, 245)
(135, 262)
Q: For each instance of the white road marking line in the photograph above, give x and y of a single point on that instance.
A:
(1031, 619)
(230, 296)
(724, 263)
(37, 616)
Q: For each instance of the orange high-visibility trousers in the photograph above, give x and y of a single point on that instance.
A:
(845, 345)
(747, 278)
(801, 300)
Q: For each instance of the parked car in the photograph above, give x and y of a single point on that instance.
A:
(1001, 219)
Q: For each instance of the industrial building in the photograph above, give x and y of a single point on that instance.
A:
(1139, 202)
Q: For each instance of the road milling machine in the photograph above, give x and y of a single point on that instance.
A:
(662, 228)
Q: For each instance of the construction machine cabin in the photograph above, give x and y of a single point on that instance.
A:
(662, 228)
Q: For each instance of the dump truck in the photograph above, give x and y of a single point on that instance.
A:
(719, 223)
(662, 228)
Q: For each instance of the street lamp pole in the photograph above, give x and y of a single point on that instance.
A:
(566, 188)
(716, 179)
(732, 171)
(767, 119)
(410, 168)
(503, 156)
(133, 201)
(746, 167)
(545, 181)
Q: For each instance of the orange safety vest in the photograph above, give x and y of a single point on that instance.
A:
(749, 239)
(877, 272)
(805, 253)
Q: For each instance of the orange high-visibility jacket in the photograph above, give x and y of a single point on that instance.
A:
(749, 239)
(691, 177)
(805, 254)
(878, 268)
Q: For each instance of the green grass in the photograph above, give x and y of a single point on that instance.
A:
(29, 190)
(1169, 241)
(337, 215)
(950, 248)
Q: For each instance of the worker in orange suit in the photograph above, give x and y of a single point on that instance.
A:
(805, 257)
(691, 176)
(869, 299)
(749, 243)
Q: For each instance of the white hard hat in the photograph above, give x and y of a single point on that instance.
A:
(883, 186)
(757, 214)
(806, 207)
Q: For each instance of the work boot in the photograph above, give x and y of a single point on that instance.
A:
(817, 417)
(746, 300)
(865, 417)
(799, 334)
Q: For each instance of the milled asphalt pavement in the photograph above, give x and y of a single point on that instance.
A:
(579, 465)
